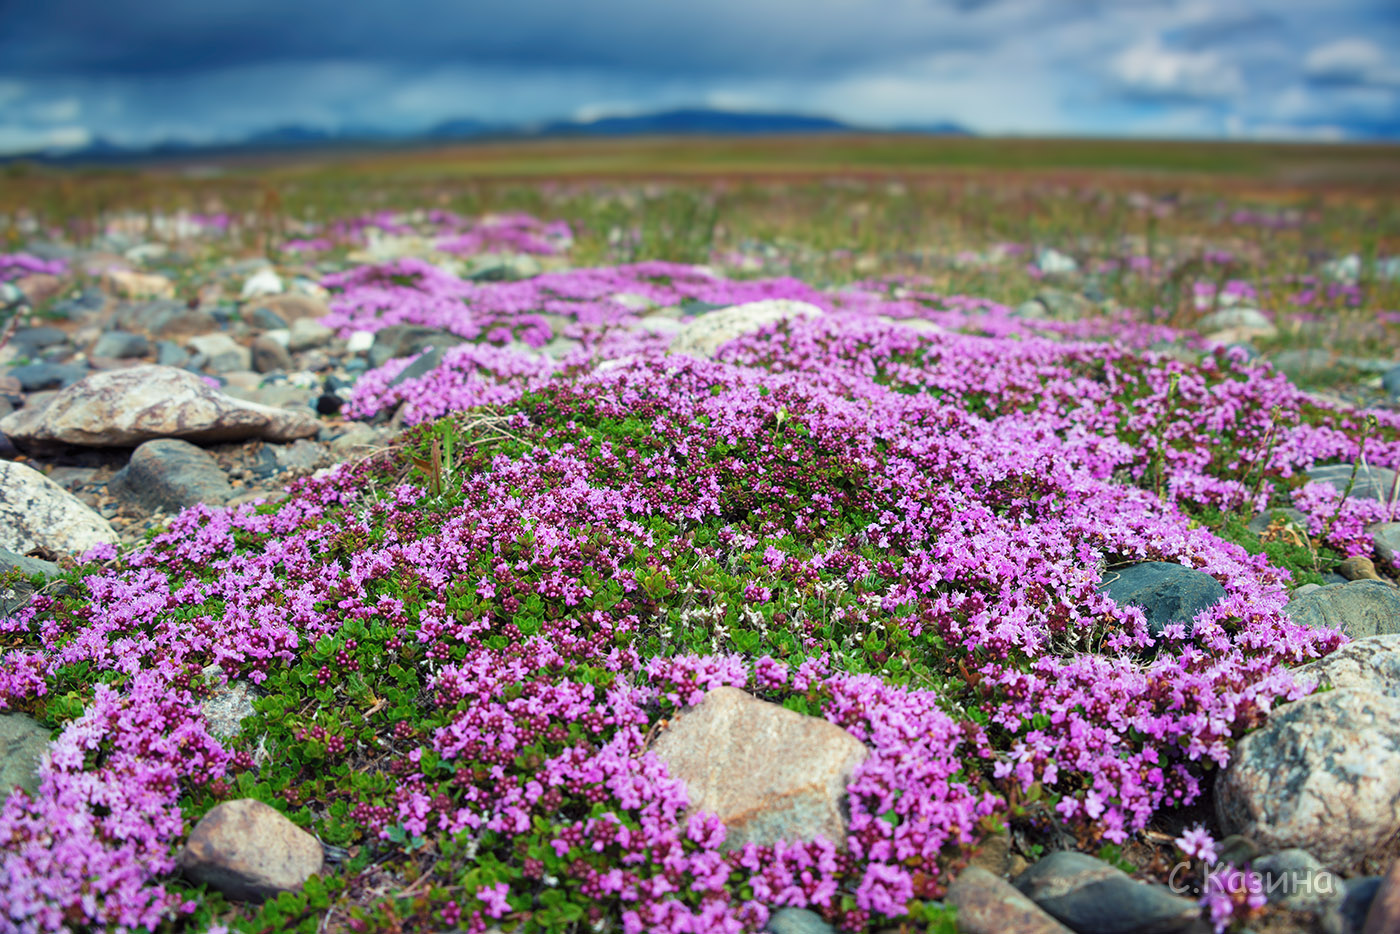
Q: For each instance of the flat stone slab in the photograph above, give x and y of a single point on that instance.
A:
(123, 408)
(767, 772)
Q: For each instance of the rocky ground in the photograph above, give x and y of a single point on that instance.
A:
(134, 397)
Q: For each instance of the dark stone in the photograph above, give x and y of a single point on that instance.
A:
(30, 340)
(163, 317)
(1166, 592)
(328, 404)
(1358, 608)
(337, 385)
(268, 355)
(1091, 897)
(266, 318)
(1371, 482)
(1390, 381)
(77, 306)
(120, 345)
(169, 353)
(1356, 904)
(36, 377)
(421, 367)
(169, 474)
(405, 340)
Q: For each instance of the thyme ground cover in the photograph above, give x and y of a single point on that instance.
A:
(895, 515)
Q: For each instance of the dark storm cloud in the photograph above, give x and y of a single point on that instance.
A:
(658, 37)
(137, 71)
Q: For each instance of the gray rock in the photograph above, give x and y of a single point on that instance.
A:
(1371, 482)
(1166, 592)
(1357, 608)
(223, 352)
(22, 742)
(1295, 879)
(1260, 523)
(163, 318)
(265, 318)
(1297, 364)
(1092, 897)
(36, 377)
(797, 921)
(29, 341)
(169, 353)
(168, 475)
(704, 336)
(1250, 320)
(307, 333)
(424, 364)
(405, 340)
(988, 904)
(119, 345)
(16, 595)
(37, 514)
(228, 706)
(1322, 774)
(1369, 664)
(268, 355)
(1390, 381)
(1387, 539)
(123, 408)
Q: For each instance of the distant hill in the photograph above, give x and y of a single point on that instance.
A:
(694, 121)
(698, 120)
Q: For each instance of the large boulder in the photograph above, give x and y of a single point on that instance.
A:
(38, 514)
(250, 852)
(767, 772)
(704, 336)
(123, 408)
(1166, 593)
(1358, 608)
(1323, 774)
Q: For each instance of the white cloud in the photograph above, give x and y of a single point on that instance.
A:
(1350, 61)
(15, 139)
(64, 110)
(1150, 69)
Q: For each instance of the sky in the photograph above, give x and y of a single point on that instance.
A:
(141, 71)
